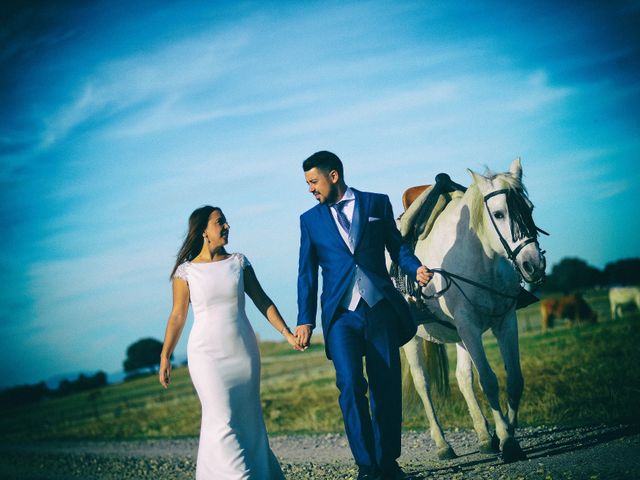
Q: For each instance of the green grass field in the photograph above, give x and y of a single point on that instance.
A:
(582, 375)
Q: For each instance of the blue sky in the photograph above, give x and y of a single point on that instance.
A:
(120, 118)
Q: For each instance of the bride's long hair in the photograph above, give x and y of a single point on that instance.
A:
(192, 244)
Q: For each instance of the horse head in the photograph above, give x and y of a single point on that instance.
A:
(501, 215)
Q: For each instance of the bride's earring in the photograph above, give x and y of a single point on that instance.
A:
(204, 235)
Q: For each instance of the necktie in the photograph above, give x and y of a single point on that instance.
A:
(342, 218)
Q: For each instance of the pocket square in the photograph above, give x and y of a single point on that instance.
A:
(374, 219)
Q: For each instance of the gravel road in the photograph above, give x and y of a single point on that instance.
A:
(592, 453)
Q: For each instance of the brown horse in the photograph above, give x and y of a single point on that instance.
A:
(571, 307)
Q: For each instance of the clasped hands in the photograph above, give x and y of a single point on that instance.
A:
(293, 340)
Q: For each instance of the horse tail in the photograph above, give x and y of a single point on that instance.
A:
(437, 370)
(437, 367)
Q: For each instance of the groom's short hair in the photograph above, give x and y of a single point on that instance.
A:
(325, 161)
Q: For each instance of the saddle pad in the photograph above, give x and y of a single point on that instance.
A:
(417, 221)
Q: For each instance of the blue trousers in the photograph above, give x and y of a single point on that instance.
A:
(374, 436)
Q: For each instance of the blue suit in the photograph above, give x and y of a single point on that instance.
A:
(373, 331)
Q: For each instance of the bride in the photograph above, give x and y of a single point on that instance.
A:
(223, 356)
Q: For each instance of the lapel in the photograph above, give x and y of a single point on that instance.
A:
(360, 218)
(329, 225)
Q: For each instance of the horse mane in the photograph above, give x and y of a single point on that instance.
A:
(477, 221)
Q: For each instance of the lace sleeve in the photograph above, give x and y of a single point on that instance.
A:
(244, 261)
(181, 272)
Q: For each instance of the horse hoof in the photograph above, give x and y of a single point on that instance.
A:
(487, 447)
(446, 454)
(511, 451)
(491, 446)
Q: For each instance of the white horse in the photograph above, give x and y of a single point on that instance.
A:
(480, 247)
(622, 296)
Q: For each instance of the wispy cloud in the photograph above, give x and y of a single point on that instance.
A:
(537, 92)
(609, 189)
(347, 116)
(174, 113)
(151, 80)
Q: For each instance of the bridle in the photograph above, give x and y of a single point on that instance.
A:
(512, 255)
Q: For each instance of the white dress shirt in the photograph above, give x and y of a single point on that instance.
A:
(350, 200)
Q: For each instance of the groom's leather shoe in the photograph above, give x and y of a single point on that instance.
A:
(395, 473)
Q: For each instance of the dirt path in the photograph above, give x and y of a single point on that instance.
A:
(591, 453)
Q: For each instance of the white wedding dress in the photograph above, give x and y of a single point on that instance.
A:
(224, 363)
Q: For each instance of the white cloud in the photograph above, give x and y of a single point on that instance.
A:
(536, 93)
(609, 189)
(88, 104)
(171, 113)
(393, 102)
(152, 79)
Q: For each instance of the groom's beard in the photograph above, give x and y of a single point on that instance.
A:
(332, 197)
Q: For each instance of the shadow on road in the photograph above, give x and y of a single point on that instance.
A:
(545, 443)
(590, 437)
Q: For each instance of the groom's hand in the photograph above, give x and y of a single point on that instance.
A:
(303, 334)
(423, 275)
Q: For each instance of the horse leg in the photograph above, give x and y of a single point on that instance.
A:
(417, 365)
(464, 375)
(577, 318)
(472, 340)
(507, 336)
(545, 318)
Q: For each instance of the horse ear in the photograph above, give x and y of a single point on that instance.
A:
(477, 178)
(516, 169)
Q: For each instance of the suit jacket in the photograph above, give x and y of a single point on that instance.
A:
(373, 228)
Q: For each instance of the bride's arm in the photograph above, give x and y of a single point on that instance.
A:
(263, 303)
(175, 324)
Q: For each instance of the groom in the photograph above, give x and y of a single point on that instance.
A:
(362, 313)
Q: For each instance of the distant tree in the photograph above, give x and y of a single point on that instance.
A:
(65, 387)
(144, 353)
(23, 394)
(572, 274)
(623, 272)
(83, 382)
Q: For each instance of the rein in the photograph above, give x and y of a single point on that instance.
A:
(450, 279)
(455, 279)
